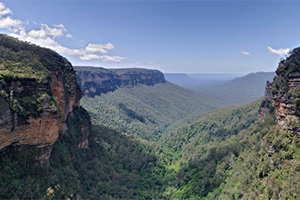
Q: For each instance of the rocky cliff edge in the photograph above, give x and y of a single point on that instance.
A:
(38, 92)
(96, 80)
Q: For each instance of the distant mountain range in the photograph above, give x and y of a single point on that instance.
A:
(191, 80)
(234, 91)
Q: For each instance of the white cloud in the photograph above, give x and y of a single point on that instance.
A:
(100, 48)
(4, 10)
(58, 31)
(38, 34)
(10, 24)
(245, 53)
(7, 22)
(280, 52)
(46, 37)
(102, 57)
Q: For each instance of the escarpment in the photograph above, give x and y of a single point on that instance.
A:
(96, 80)
(283, 95)
(38, 91)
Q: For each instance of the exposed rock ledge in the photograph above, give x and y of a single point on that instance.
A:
(96, 80)
(38, 91)
(283, 95)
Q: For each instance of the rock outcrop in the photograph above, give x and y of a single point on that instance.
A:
(96, 80)
(283, 95)
(38, 91)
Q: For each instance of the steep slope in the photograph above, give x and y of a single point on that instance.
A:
(283, 95)
(38, 92)
(238, 91)
(113, 167)
(246, 152)
(41, 121)
(96, 80)
(199, 157)
(249, 152)
(146, 111)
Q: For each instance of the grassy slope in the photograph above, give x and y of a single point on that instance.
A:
(146, 111)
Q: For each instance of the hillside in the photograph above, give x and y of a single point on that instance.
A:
(145, 110)
(244, 159)
(48, 148)
(200, 156)
(149, 139)
(248, 152)
(97, 80)
(240, 90)
(231, 154)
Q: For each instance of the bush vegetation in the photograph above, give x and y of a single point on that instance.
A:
(146, 111)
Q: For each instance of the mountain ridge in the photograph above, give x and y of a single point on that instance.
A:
(96, 81)
(239, 91)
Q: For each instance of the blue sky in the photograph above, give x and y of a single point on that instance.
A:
(173, 36)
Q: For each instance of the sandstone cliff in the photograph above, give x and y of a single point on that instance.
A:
(283, 95)
(96, 80)
(38, 91)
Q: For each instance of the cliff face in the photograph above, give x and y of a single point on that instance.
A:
(283, 95)
(38, 92)
(96, 81)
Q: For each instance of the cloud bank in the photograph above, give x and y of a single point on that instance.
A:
(46, 36)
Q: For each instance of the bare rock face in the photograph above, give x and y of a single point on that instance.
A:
(96, 80)
(266, 104)
(38, 91)
(283, 95)
(79, 124)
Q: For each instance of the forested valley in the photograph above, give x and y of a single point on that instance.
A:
(130, 134)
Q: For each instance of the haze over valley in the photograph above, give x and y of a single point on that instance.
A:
(149, 100)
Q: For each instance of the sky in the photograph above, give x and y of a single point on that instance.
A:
(172, 36)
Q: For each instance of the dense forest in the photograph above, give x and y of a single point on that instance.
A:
(147, 111)
(144, 141)
(217, 157)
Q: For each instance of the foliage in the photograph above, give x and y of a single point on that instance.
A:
(23, 60)
(114, 166)
(227, 154)
(204, 151)
(149, 142)
(146, 111)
